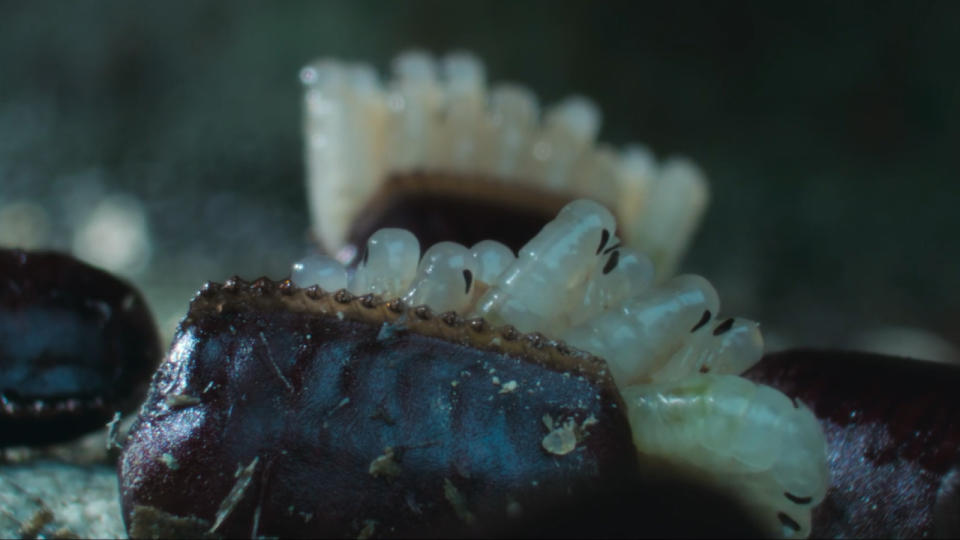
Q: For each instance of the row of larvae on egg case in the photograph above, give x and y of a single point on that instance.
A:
(441, 116)
(677, 364)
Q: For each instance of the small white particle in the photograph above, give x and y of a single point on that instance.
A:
(509, 386)
(171, 462)
(562, 439)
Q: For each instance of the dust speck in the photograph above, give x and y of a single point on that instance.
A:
(562, 439)
(384, 465)
(457, 501)
(171, 462)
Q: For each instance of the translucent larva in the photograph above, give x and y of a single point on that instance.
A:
(748, 437)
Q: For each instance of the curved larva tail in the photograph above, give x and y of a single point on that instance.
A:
(749, 438)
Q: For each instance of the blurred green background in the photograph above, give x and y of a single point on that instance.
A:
(830, 133)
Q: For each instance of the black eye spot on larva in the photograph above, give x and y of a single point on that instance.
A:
(703, 320)
(796, 405)
(796, 499)
(788, 521)
(611, 262)
(723, 327)
(604, 238)
(611, 248)
(468, 278)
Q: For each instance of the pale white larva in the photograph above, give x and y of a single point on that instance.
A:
(750, 439)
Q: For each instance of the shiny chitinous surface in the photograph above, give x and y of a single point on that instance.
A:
(76, 345)
(294, 412)
(893, 431)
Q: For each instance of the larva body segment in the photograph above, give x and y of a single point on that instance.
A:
(740, 433)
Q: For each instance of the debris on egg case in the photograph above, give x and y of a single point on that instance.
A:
(675, 362)
(442, 117)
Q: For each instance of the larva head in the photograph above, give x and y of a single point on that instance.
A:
(491, 258)
(731, 345)
(320, 270)
(619, 272)
(445, 278)
(388, 264)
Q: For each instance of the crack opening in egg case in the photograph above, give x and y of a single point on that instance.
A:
(671, 403)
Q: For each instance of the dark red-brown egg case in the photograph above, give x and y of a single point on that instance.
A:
(76, 345)
(893, 434)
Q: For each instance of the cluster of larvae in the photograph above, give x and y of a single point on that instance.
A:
(442, 115)
(675, 363)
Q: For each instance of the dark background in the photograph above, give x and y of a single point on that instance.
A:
(829, 133)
